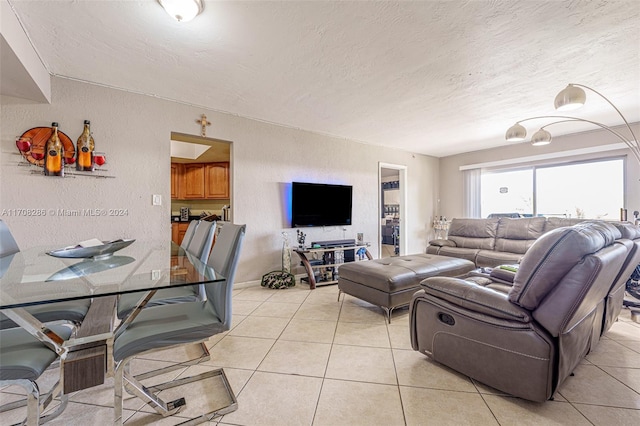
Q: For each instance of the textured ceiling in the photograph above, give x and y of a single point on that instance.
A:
(436, 77)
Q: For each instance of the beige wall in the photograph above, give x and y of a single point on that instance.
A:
(451, 199)
(134, 130)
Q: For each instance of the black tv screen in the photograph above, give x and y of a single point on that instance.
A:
(314, 204)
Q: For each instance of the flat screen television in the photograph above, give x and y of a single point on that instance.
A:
(315, 204)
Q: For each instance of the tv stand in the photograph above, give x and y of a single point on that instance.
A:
(322, 263)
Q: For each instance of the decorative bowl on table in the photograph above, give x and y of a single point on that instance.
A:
(90, 266)
(95, 252)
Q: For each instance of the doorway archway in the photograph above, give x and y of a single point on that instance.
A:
(392, 181)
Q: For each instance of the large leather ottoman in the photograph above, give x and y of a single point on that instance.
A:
(391, 282)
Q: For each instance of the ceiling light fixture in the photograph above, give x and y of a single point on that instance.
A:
(571, 97)
(541, 137)
(182, 10)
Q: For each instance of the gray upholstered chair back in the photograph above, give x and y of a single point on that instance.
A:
(200, 244)
(191, 229)
(224, 259)
(553, 256)
(8, 244)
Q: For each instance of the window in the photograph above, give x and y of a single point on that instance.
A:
(585, 190)
(590, 190)
(507, 192)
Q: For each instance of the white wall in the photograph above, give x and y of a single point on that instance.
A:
(22, 74)
(450, 190)
(134, 131)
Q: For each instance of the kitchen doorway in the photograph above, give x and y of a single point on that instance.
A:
(392, 214)
(201, 179)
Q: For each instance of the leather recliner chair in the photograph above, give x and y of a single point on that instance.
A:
(526, 338)
(615, 298)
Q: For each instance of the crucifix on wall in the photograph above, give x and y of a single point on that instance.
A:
(203, 125)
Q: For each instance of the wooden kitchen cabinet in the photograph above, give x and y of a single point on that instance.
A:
(200, 181)
(177, 231)
(194, 182)
(177, 180)
(217, 181)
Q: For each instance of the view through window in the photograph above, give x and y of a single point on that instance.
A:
(589, 190)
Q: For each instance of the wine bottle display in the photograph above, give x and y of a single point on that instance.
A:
(53, 153)
(84, 149)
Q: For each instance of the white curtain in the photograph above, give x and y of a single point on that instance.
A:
(471, 193)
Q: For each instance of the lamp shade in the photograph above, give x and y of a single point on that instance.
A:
(182, 10)
(541, 137)
(516, 133)
(571, 97)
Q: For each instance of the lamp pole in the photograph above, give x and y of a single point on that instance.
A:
(634, 149)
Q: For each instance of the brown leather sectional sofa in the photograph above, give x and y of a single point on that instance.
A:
(523, 331)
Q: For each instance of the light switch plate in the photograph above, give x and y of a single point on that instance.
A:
(156, 200)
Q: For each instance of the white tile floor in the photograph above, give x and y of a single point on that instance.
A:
(300, 357)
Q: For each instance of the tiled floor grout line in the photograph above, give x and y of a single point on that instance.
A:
(239, 392)
(326, 367)
(615, 378)
(579, 411)
(486, 403)
(395, 369)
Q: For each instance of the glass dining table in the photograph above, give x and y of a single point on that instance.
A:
(36, 277)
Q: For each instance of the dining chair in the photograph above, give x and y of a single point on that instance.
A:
(167, 326)
(23, 359)
(8, 245)
(203, 233)
(199, 245)
(202, 240)
(72, 311)
(188, 235)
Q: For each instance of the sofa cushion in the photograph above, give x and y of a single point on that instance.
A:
(491, 258)
(460, 253)
(560, 222)
(517, 235)
(552, 256)
(473, 233)
(628, 230)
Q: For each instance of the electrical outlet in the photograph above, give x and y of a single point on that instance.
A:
(155, 274)
(156, 200)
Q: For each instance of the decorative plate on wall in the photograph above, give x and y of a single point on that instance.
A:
(39, 137)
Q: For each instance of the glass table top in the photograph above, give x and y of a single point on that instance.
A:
(33, 277)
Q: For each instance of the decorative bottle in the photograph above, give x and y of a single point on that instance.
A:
(85, 148)
(53, 154)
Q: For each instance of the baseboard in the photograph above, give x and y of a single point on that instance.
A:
(247, 284)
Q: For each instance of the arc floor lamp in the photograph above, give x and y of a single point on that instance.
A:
(571, 97)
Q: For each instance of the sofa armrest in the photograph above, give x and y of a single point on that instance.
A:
(442, 243)
(504, 273)
(470, 296)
